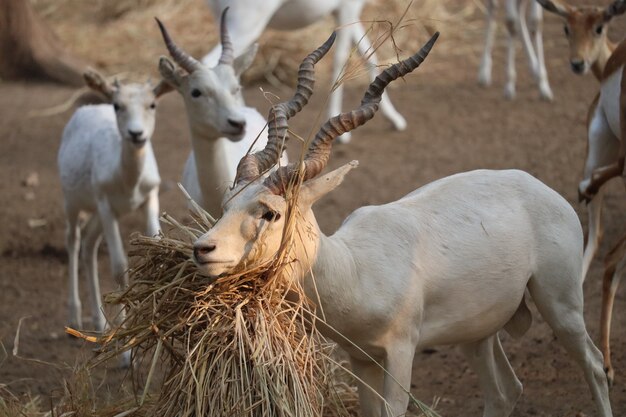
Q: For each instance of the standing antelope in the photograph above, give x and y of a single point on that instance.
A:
(446, 264)
(249, 18)
(222, 128)
(107, 169)
(591, 49)
(516, 17)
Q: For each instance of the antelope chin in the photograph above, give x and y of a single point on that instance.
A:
(213, 269)
(234, 136)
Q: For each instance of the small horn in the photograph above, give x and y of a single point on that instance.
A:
(319, 150)
(617, 8)
(182, 58)
(252, 165)
(227, 57)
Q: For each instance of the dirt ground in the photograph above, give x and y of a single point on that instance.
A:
(454, 126)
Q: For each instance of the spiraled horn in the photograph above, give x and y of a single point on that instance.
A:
(252, 165)
(227, 57)
(319, 149)
(182, 58)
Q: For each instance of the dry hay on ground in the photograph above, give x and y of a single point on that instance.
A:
(244, 344)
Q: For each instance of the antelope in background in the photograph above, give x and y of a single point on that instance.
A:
(516, 19)
(107, 168)
(591, 49)
(435, 267)
(222, 127)
(248, 19)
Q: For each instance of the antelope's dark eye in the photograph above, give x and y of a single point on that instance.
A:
(599, 29)
(116, 107)
(271, 216)
(153, 106)
(566, 30)
(196, 93)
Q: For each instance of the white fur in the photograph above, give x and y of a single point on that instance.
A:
(247, 19)
(214, 165)
(449, 263)
(217, 145)
(516, 19)
(106, 175)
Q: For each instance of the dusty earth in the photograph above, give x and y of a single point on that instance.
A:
(454, 126)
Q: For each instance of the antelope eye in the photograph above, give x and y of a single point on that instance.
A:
(599, 29)
(271, 216)
(195, 93)
(153, 106)
(566, 30)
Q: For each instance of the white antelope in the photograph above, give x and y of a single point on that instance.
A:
(107, 169)
(447, 264)
(516, 19)
(249, 18)
(222, 128)
(591, 49)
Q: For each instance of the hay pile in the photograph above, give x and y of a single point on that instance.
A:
(242, 345)
(232, 347)
(121, 36)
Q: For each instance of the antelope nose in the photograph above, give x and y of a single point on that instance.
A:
(201, 251)
(135, 134)
(240, 125)
(578, 66)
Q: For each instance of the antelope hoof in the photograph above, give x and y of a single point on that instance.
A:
(125, 361)
(546, 93)
(484, 80)
(610, 375)
(400, 124)
(509, 92)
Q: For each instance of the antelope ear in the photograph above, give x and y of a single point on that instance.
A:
(555, 6)
(244, 61)
(169, 73)
(163, 87)
(97, 82)
(316, 188)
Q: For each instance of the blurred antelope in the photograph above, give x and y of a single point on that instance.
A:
(108, 169)
(591, 49)
(222, 128)
(516, 19)
(249, 18)
(447, 264)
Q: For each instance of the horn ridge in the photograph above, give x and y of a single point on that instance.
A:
(402, 68)
(318, 154)
(253, 165)
(227, 57)
(186, 61)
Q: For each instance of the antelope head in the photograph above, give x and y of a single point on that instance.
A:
(212, 96)
(585, 29)
(134, 105)
(251, 228)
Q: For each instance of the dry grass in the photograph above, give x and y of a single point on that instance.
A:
(245, 344)
(121, 36)
(234, 346)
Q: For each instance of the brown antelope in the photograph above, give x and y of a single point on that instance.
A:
(591, 49)
(449, 263)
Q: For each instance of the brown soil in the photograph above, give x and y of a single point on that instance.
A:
(453, 126)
